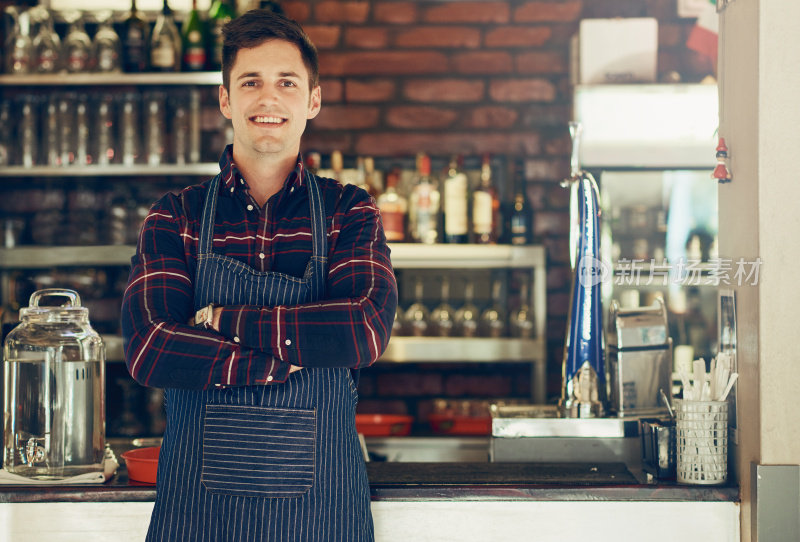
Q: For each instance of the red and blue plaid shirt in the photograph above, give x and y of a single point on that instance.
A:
(349, 328)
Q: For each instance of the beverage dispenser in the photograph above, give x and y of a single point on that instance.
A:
(54, 390)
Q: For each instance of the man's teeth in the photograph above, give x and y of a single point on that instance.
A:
(268, 120)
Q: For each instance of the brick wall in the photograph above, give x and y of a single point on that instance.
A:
(471, 77)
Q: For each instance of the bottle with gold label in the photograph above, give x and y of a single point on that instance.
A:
(485, 207)
(394, 210)
(194, 41)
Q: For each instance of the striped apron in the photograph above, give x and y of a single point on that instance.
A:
(278, 462)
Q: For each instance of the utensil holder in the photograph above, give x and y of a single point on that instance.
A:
(658, 447)
(702, 445)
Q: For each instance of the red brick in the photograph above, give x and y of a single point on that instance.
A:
(446, 143)
(395, 12)
(558, 145)
(346, 117)
(492, 116)
(367, 38)
(543, 170)
(342, 11)
(547, 223)
(332, 91)
(557, 251)
(374, 90)
(444, 90)
(517, 36)
(326, 141)
(558, 278)
(562, 11)
(557, 195)
(383, 63)
(299, 11)
(483, 62)
(522, 90)
(324, 36)
(538, 115)
(439, 36)
(541, 62)
(468, 12)
(420, 117)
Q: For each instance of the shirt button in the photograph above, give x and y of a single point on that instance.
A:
(249, 207)
(241, 181)
(291, 190)
(269, 378)
(287, 342)
(261, 255)
(236, 339)
(232, 189)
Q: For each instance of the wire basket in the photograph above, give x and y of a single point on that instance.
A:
(702, 444)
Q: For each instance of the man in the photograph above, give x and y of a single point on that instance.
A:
(287, 284)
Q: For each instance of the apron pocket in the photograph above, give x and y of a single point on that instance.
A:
(251, 451)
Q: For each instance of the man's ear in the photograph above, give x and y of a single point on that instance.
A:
(315, 102)
(224, 102)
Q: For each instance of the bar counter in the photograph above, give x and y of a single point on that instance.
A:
(430, 501)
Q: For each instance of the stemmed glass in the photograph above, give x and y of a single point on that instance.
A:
(466, 318)
(417, 316)
(443, 316)
(492, 323)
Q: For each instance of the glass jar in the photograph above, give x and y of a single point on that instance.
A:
(54, 390)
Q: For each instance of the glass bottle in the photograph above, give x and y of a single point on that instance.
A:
(77, 44)
(485, 207)
(492, 323)
(394, 209)
(219, 14)
(18, 46)
(337, 166)
(51, 150)
(195, 136)
(5, 133)
(194, 41)
(520, 322)
(83, 155)
(398, 326)
(443, 316)
(372, 179)
(104, 129)
(165, 42)
(46, 43)
(27, 131)
(520, 220)
(424, 204)
(417, 316)
(154, 128)
(129, 128)
(466, 318)
(134, 41)
(456, 228)
(106, 45)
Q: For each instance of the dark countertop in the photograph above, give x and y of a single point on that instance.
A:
(439, 481)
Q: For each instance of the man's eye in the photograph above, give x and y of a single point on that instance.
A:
(249, 84)
(288, 84)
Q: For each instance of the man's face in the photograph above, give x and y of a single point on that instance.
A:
(269, 101)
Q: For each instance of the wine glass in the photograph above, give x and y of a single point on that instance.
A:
(443, 316)
(520, 321)
(417, 316)
(466, 318)
(492, 322)
(398, 326)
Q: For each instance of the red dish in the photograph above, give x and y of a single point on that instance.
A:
(461, 425)
(142, 464)
(383, 425)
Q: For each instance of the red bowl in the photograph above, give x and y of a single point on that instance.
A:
(461, 425)
(383, 425)
(142, 464)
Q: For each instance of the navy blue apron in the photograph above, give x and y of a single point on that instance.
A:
(279, 462)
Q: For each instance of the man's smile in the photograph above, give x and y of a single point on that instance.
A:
(267, 120)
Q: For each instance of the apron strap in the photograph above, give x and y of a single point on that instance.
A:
(206, 241)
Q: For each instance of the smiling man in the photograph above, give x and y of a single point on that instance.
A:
(254, 299)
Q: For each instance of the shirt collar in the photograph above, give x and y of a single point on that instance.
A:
(232, 179)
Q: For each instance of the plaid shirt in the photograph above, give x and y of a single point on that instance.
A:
(349, 328)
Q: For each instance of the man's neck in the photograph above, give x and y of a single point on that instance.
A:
(264, 173)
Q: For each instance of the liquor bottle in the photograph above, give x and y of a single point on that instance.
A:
(337, 166)
(219, 15)
(165, 43)
(520, 219)
(134, 41)
(492, 321)
(423, 213)
(466, 319)
(443, 316)
(394, 210)
(485, 207)
(18, 46)
(417, 316)
(456, 228)
(367, 175)
(77, 44)
(194, 42)
(46, 44)
(106, 45)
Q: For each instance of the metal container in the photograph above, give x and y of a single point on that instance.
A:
(54, 390)
(639, 359)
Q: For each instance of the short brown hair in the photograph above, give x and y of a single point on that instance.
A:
(256, 26)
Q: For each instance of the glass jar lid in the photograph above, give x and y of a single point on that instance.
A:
(71, 309)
